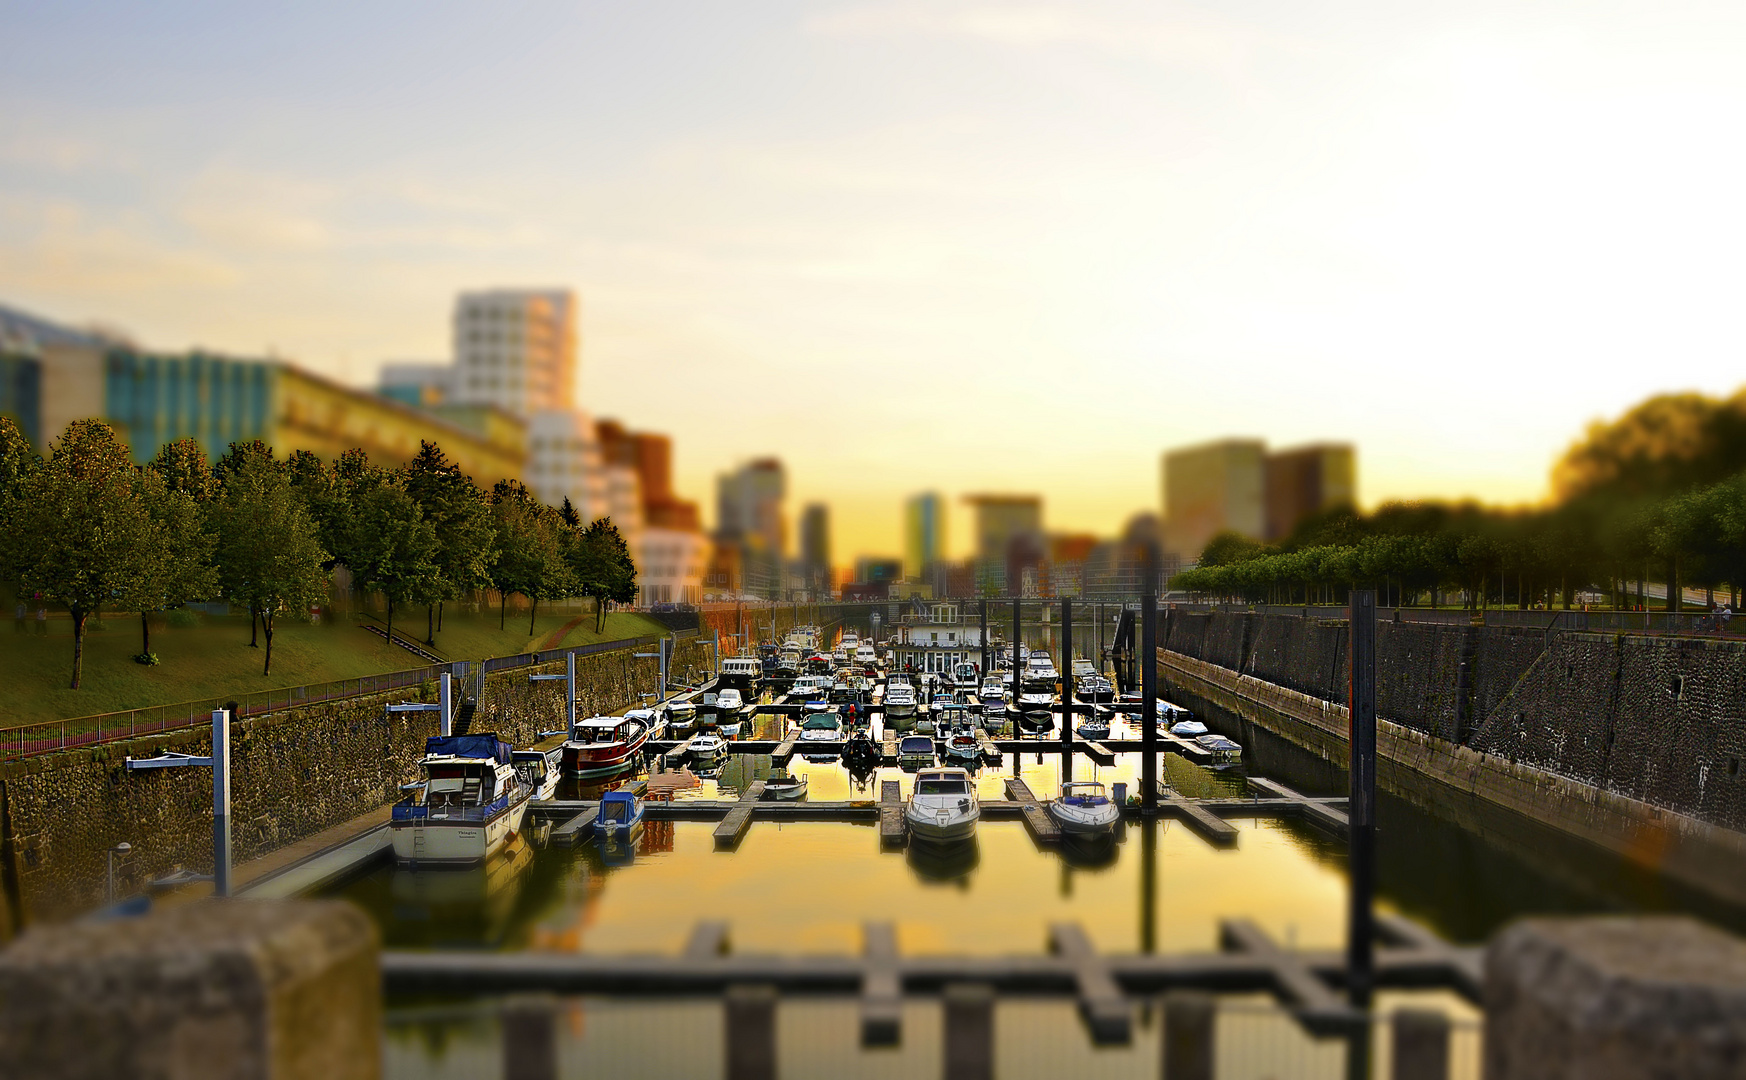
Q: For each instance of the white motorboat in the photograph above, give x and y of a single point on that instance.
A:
(900, 706)
(1188, 729)
(707, 749)
(469, 804)
(539, 771)
(784, 785)
(681, 719)
(729, 706)
(915, 750)
(817, 728)
(1084, 808)
(866, 654)
(943, 807)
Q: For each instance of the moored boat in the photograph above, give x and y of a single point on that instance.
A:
(915, 750)
(469, 804)
(1085, 809)
(603, 744)
(620, 816)
(943, 807)
(539, 771)
(784, 785)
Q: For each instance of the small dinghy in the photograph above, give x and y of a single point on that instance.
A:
(782, 784)
(963, 746)
(1085, 809)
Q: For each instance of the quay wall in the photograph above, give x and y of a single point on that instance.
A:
(293, 774)
(1634, 743)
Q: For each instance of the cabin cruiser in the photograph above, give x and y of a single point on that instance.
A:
(1035, 704)
(1094, 687)
(729, 706)
(707, 749)
(993, 699)
(539, 771)
(943, 807)
(1084, 809)
(966, 675)
(681, 718)
(820, 727)
(1038, 666)
(739, 673)
(866, 654)
(900, 706)
(469, 804)
(603, 744)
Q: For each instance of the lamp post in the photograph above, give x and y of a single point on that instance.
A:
(109, 880)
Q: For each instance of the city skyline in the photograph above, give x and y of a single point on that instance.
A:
(1473, 209)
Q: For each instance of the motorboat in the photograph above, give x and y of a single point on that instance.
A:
(1095, 726)
(603, 744)
(866, 654)
(784, 785)
(620, 816)
(1084, 808)
(860, 755)
(739, 673)
(539, 771)
(1220, 746)
(469, 804)
(728, 708)
(681, 718)
(943, 807)
(1038, 666)
(817, 728)
(992, 696)
(1094, 687)
(900, 706)
(962, 746)
(966, 675)
(707, 749)
(1035, 705)
(1188, 729)
(915, 750)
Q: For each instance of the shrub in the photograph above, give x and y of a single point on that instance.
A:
(150, 659)
(182, 619)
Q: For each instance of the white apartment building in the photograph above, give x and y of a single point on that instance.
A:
(516, 349)
(670, 565)
(563, 462)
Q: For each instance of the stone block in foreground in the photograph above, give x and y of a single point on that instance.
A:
(1611, 998)
(238, 990)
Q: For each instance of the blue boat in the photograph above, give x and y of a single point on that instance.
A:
(621, 815)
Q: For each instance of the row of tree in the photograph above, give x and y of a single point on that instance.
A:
(88, 529)
(1658, 495)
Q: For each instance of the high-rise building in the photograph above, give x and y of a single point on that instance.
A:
(1000, 521)
(1306, 481)
(815, 549)
(516, 349)
(564, 462)
(924, 534)
(1212, 488)
(749, 514)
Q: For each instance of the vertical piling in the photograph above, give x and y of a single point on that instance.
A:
(1148, 885)
(751, 1032)
(1066, 674)
(1189, 1020)
(1360, 977)
(220, 802)
(1017, 668)
(445, 705)
(984, 617)
(1149, 703)
(530, 1043)
(1421, 1045)
(969, 1027)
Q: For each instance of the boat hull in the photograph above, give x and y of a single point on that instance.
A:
(1098, 822)
(929, 829)
(438, 841)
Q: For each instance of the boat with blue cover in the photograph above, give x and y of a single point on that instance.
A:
(620, 816)
(469, 804)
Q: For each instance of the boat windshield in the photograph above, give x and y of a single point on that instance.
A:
(615, 810)
(933, 786)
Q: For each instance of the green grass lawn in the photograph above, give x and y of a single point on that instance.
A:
(213, 658)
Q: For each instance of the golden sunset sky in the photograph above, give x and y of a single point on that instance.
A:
(957, 246)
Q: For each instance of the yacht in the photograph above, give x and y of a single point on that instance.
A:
(866, 654)
(469, 804)
(604, 744)
(681, 718)
(1094, 726)
(1085, 809)
(943, 808)
(966, 675)
(539, 771)
(899, 706)
(707, 749)
(1035, 704)
(993, 699)
(739, 673)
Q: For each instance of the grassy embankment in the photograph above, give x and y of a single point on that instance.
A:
(212, 658)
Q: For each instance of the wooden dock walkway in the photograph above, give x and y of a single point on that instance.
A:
(881, 987)
(577, 829)
(893, 830)
(784, 752)
(1316, 811)
(888, 749)
(733, 827)
(1101, 1001)
(1036, 817)
(1213, 829)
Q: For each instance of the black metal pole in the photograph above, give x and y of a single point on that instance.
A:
(1148, 885)
(1066, 674)
(1362, 806)
(984, 605)
(1017, 667)
(1148, 703)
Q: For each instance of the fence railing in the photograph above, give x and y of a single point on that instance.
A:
(1643, 622)
(48, 736)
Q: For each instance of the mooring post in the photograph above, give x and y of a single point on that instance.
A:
(984, 616)
(1361, 808)
(1189, 1023)
(1421, 1045)
(751, 1032)
(445, 688)
(1066, 674)
(1148, 885)
(570, 693)
(1017, 668)
(530, 1045)
(969, 1024)
(220, 802)
(1149, 703)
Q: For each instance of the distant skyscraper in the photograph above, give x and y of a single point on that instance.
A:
(924, 534)
(516, 349)
(1210, 489)
(749, 514)
(815, 548)
(1306, 481)
(1000, 520)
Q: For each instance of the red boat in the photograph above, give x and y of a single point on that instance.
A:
(603, 744)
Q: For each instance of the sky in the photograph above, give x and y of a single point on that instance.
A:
(909, 246)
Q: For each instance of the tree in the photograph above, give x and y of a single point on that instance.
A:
(18, 464)
(324, 495)
(177, 565)
(530, 557)
(184, 468)
(389, 546)
(88, 530)
(268, 554)
(604, 568)
(466, 539)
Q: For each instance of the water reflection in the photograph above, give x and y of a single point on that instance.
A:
(946, 863)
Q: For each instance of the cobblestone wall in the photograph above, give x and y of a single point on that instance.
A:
(293, 774)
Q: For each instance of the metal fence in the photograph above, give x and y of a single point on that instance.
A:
(1641, 622)
(51, 735)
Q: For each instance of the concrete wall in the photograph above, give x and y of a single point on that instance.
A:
(294, 773)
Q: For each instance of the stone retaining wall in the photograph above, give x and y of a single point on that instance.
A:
(293, 774)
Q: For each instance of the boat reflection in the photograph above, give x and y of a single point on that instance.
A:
(475, 904)
(594, 787)
(945, 863)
